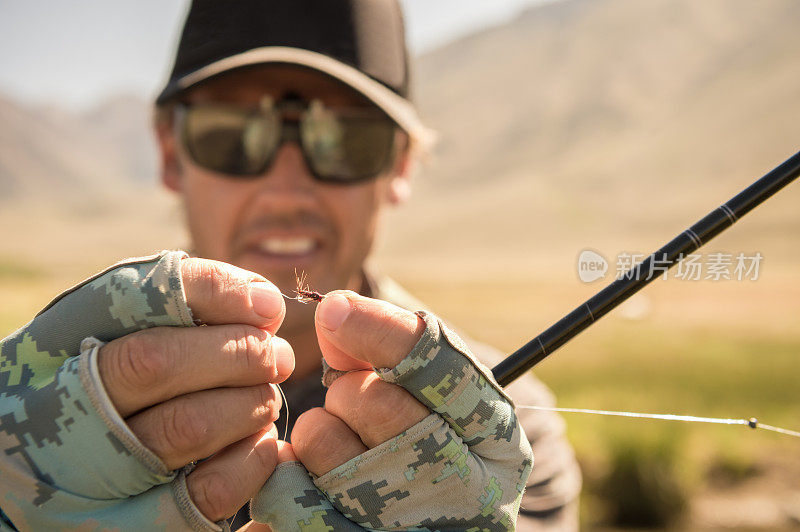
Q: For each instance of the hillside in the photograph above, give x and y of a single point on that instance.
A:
(581, 123)
(606, 122)
(602, 124)
(566, 85)
(49, 152)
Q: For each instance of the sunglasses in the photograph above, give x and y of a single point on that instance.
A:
(339, 145)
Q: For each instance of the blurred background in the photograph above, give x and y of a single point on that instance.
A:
(567, 125)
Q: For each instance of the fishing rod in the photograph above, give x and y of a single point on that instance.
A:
(632, 281)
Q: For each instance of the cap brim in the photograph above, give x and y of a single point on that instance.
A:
(394, 105)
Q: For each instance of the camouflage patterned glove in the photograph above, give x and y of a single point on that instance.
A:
(464, 467)
(69, 460)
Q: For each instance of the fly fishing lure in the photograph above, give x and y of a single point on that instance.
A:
(303, 292)
(591, 310)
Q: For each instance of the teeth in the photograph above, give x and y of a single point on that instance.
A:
(287, 246)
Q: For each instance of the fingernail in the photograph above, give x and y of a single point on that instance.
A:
(332, 311)
(270, 434)
(284, 357)
(266, 299)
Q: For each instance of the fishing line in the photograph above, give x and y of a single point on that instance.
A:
(304, 294)
(286, 404)
(752, 423)
(285, 433)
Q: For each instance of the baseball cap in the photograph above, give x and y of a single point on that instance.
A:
(359, 42)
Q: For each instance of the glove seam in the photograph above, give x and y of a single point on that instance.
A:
(178, 295)
(190, 511)
(435, 330)
(407, 436)
(125, 262)
(279, 502)
(425, 343)
(457, 344)
(289, 464)
(89, 375)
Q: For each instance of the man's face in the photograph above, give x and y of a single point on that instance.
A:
(283, 220)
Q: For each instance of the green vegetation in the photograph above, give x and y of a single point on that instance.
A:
(643, 473)
(735, 363)
(11, 269)
(643, 486)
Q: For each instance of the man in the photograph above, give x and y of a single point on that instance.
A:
(286, 130)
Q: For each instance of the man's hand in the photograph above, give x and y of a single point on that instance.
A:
(415, 435)
(188, 393)
(361, 410)
(109, 391)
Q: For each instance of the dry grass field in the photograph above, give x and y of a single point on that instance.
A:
(614, 125)
(722, 349)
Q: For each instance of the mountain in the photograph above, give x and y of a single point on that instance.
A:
(584, 77)
(618, 120)
(49, 152)
(579, 123)
(125, 122)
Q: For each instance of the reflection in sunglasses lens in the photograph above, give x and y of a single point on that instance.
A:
(339, 145)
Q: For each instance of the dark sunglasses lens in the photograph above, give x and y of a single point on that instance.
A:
(230, 141)
(347, 147)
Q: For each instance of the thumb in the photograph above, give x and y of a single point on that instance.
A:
(357, 332)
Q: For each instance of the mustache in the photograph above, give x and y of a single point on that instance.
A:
(288, 221)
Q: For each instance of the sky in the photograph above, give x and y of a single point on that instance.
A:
(78, 52)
